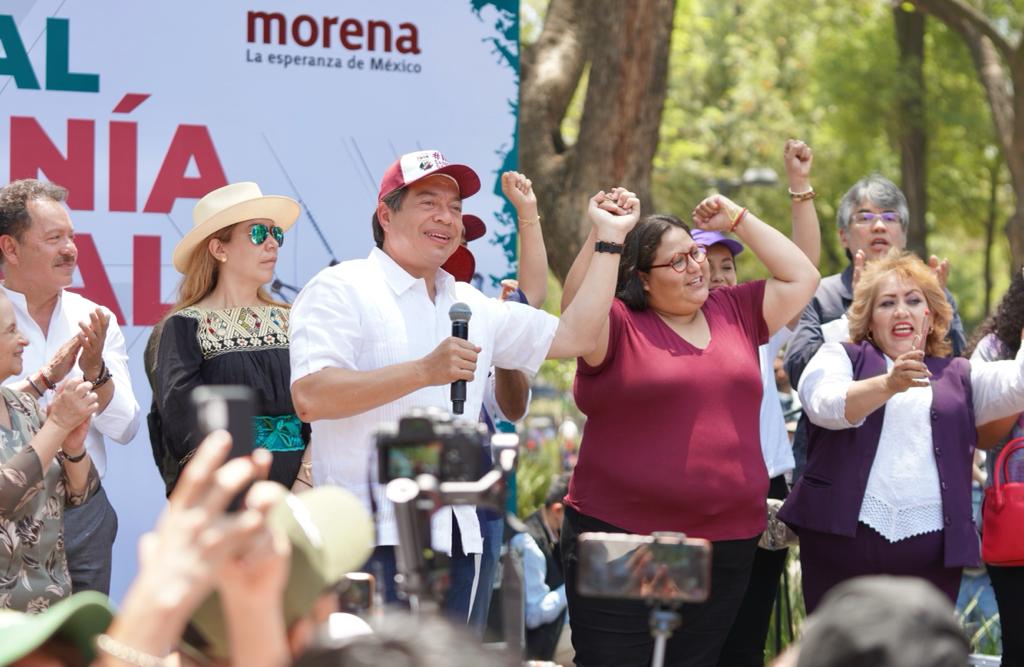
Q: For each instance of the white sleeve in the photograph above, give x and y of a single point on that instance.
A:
(523, 336)
(823, 387)
(997, 387)
(777, 340)
(324, 330)
(120, 420)
(543, 604)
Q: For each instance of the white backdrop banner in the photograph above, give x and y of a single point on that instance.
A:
(140, 108)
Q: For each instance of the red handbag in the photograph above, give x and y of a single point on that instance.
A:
(1002, 533)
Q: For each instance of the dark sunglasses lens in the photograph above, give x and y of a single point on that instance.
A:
(258, 234)
(278, 235)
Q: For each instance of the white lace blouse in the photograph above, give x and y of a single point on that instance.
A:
(902, 497)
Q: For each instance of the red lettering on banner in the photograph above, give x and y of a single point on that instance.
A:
(124, 151)
(190, 141)
(349, 28)
(147, 308)
(314, 30)
(305, 30)
(33, 152)
(371, 28)
(96, 285)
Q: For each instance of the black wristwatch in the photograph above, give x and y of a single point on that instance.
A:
(608, 246)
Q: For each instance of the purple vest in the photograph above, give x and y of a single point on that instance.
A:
(829, 495)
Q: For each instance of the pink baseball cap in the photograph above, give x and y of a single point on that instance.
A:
(412, 167)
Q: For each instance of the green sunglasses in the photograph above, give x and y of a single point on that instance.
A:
(258, 234)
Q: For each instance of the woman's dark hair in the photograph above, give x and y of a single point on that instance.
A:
(638, 254)
(1008, 320)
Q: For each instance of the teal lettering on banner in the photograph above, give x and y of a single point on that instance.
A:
(16, 64)
(58, 61)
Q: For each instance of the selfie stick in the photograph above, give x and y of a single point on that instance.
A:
(416, 500)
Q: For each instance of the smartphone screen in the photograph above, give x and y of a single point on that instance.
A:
(231, 408)
(643, 567)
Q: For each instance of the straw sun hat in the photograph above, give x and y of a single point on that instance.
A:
(225, 206)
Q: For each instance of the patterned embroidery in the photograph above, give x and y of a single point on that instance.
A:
(242, 328)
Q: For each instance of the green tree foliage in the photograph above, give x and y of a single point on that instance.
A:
(745, 76)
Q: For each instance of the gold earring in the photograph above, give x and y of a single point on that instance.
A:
(222, 260)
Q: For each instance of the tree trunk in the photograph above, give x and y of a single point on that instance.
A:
(626, 46)
(1000, 67)
(912, 133)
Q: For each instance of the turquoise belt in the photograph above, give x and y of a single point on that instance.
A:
(278, 434)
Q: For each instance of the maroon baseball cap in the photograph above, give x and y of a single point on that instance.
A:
(474, 226)
(412, 167)
(461, 264)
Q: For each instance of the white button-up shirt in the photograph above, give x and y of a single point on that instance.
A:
(120, 420)
(370, 313)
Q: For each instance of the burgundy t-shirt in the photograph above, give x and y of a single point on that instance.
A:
(672, 439)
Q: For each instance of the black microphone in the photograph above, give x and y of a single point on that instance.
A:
(459, 314)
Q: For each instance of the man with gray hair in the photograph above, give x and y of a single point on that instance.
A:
(872, 220)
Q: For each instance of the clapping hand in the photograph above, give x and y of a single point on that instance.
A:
(92, 338)
(614, 213)
(74, 403)
(940, 268)
(61, 363)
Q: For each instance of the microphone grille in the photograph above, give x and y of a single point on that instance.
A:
(459, 312)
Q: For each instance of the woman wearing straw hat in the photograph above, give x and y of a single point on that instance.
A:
(226, 329)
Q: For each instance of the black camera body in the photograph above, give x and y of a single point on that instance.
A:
(428, 442)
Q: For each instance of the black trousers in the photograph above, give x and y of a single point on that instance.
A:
(617, 633)
(1008, 583)
(745, 645)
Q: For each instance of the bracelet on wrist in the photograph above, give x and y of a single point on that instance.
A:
(115, 649)
(737, 220)
(34, 386)
(534, 221)
(46, 381)
(806, 195)
(102, 378)
(73, 459)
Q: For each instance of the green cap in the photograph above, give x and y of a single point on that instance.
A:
(79, 619)
(331, 534)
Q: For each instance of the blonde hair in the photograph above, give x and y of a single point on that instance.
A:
(202, 272)
(907, 267)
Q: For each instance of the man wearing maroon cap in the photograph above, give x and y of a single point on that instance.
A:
(371, 337)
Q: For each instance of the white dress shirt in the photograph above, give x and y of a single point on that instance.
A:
(775, 445)
(120, 420)
(370, 313)
(902, 497)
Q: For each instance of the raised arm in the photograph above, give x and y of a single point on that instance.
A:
(579, 267)
(806, 229)
(533, 256)
(794, 277)
(583, 328)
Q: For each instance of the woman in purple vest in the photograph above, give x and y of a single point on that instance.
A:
(887, 489)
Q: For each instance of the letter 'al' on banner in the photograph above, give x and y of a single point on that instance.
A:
(140, 108)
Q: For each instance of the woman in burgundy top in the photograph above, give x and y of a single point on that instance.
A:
(672, 394)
